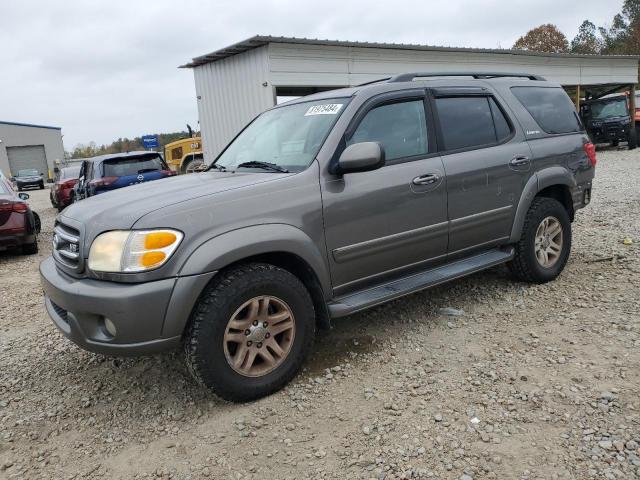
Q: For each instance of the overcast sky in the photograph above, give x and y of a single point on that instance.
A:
(103, 69)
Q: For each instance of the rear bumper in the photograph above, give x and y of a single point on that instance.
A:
(148, 317)
(13, 240)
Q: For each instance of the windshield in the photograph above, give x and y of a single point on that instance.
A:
(28, 173)
(123, 167)
(288, 136)
(617, 108)
(70, 172)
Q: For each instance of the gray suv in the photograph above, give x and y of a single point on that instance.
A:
(319, 208)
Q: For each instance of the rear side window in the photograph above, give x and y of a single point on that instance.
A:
(400, 127)
(123, 167)
(550, 107)
(471, 121)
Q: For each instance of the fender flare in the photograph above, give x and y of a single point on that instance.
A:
(540, 180)
(236, 245)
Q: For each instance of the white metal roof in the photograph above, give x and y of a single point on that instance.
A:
(261, 40)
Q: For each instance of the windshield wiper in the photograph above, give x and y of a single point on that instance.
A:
(221, 168)
(264, 165)
(145, 170)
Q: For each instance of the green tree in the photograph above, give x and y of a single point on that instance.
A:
(123, 145)
(623, 36)
(545, 38)
(587, 40)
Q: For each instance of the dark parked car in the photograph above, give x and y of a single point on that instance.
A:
(607, 120)
(29, 178)
(19, 226)
(62, 190)
(320, 208)
(111, 172)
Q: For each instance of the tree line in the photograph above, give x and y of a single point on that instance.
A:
(121, 145)
(621, 37)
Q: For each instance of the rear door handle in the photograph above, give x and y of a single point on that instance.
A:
(427, 179)
(519, 161)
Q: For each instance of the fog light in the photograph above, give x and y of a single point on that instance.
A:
(110, 327)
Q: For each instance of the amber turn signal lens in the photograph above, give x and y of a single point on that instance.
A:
(158, 240)
(149, 259)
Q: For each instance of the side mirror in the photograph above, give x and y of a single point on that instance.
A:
(23, 196)
(361, 157)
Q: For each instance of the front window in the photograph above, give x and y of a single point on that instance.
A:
(28, 173)
(618, 108)
(123, 167)
(288, 137)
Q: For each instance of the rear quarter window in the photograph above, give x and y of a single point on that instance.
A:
(550, 107)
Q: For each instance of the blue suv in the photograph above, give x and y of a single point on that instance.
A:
(110, 172)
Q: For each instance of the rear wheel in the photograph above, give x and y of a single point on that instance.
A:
(193, 165)
(632, 140)
(545, 244)
(250, 332)
(30, 248)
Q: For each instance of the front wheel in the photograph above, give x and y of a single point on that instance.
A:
(41, 185)
(250, 332)
(545, 243)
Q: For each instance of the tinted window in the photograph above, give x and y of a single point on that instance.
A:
(551, 108)
(503, 130)
(121, 167)
(401, 128)
(466, 122)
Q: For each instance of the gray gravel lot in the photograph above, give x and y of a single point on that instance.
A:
(525, 382)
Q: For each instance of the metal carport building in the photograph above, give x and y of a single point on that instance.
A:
(26, 146)
(236, 83)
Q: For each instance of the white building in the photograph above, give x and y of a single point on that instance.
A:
(236, 83)
(25, 146)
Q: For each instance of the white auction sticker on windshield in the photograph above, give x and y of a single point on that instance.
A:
(326, 109)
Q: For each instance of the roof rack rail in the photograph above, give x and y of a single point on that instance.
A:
(407, 77)
(384, 79)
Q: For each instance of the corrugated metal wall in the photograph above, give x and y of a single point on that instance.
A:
(319, 65)
(230, 93)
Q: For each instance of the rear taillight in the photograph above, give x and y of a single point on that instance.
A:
(103, 182)
(590, 150)
(18, 207)
(168, 173)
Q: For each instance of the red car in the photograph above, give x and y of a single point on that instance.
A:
(62, 191)
(18, 224)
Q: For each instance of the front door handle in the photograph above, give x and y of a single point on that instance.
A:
(519, 161)
(427, 179)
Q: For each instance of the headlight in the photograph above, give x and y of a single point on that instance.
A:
(132, 251)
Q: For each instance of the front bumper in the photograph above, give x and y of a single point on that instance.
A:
(29, 183)
(149, 317)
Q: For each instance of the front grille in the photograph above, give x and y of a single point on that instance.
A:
(66, 246)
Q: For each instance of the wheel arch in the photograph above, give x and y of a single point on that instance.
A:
(282, 245)
(553, 182)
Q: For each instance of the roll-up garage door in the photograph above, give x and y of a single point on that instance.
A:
(23, 158)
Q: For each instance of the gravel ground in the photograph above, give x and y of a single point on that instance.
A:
(482, 378)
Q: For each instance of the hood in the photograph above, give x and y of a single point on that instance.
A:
(120, 209)
(28, 179)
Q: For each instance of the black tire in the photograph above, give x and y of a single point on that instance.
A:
(42, 186)
(204, 346)
(30, 248)
(525, 265)
(632, 141)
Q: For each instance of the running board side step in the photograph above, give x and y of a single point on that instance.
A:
(355, 302)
